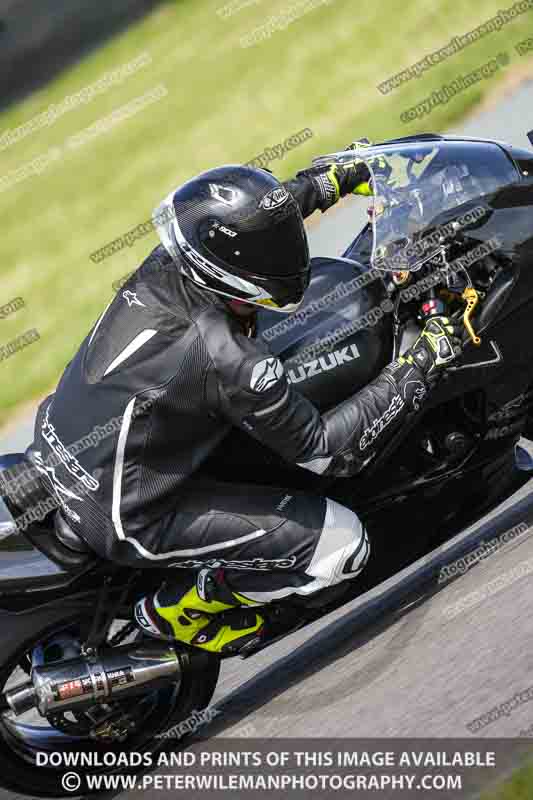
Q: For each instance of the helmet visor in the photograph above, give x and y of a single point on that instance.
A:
(277, 249)
(284, 294)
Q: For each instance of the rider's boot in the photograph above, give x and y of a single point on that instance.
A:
(205, 614)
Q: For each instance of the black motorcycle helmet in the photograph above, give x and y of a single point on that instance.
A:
(238, 232)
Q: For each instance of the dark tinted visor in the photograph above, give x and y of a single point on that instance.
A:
(279, 249)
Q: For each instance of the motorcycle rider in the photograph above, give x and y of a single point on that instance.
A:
(174, 359)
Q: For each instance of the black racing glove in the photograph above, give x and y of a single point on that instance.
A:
(351, 178)
(437, 347)
(363, 186)
(335, 181)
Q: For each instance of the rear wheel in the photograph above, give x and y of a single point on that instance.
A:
(126, 725)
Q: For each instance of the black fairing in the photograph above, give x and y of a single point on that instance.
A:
(330, 376)
(505, 316)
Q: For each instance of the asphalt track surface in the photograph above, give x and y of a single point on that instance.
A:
(424, 669)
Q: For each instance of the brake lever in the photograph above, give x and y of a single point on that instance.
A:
(471, 297)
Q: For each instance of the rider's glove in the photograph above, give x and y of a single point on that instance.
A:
(379, 165)
(351, 178)
(335, 181)
(437, 347)
(364, 186)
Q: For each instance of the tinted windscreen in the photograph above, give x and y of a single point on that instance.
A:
(424, 193)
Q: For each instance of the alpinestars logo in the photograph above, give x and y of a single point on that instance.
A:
(324, 363)
(275, 198)
(371, 434)
(60, 490)
(265, 374)
(416, 392)
(132, 299)
(255, 563)
(64, 456)
(141, 616)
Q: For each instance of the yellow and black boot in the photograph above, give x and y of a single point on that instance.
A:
(207, 614)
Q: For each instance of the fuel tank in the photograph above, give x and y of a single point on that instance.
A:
(341, 336)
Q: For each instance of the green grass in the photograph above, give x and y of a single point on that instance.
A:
(518, 787)
(225, 104)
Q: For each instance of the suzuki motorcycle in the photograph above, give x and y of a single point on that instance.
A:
(449, 232)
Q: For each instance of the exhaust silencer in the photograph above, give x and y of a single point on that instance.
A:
(84, 681)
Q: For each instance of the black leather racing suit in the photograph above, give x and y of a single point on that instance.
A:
(157, 384)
